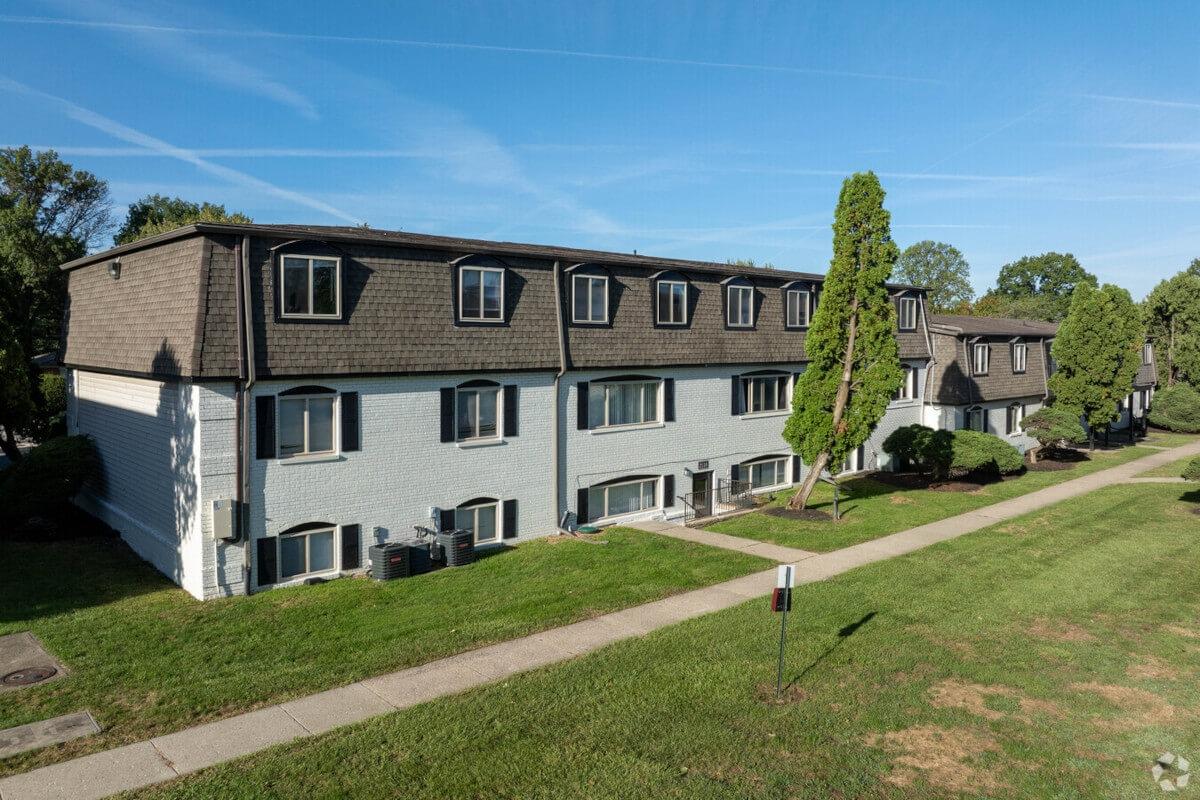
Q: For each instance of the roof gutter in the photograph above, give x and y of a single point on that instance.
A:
(556, 479)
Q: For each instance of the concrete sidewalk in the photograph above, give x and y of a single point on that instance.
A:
(752, 547)
(166, 757)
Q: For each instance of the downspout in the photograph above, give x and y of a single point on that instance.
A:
(556, 481)
(932, 359)
(1045, 370)
(246, 346)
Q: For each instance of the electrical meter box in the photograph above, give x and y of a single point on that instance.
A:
(222, 519)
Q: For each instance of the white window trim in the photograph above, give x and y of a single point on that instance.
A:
(805, 305)
(575, 294)
(479, 441)
(658, 306)
(482, 314)
(987, 358)
(1017, 431)
(908, 387)
(604, 427)
(337, 287)
(788, 389)
(318, 455)
(729, 306)
(911, 303)
(474, 507)
(1147, 354)
(300, 577)
(1022, 348)
(748, 468)
(608, 519)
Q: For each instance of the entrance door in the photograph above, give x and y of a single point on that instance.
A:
(702, 493)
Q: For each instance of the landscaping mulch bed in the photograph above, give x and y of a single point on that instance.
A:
(916, 480)
(806, 514)
(1058, 460)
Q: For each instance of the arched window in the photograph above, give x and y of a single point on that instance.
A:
(739, 302)
(306, 421)
(620, 496)
(797, 305)
(307, 549)
(481, 517)
(479, 283)
(764, 472)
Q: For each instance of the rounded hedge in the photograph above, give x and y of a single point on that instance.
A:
(921, 447)
(974, 451)
(1176, 408)
(1054, 427)
(1192, 471)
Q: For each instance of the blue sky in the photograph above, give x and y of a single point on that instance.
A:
(697, 131)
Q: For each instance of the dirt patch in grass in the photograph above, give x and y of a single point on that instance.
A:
(1141, 707)
(973, 697)
(1179, 630)
(1059, 631)
(901, 500)
(792, 693)
(805, 514)
(1152, 668)
(944, 757)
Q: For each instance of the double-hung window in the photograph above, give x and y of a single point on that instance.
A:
(907, 312)
(306, 425)
(672, 303)
(975, 418)
(590, 303)
(739, 306)
(623, 403)
(797, 308)
(980, 358)
(481, 519)
(908, 387)
(311, 287)
(628, 497)
(1147, 353)
(765, 393)
(1016, 413)
(478, 412)
(481, 294)
(1020, 357)
(306, 552)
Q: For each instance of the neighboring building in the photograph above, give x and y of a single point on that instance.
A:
(1136, 407)
(268, 401)
(988, 374)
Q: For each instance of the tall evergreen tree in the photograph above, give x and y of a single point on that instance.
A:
(1098, 352)
(854, 364)
(1172, 312)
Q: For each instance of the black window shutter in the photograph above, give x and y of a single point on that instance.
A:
(797, 465)
(350, 422)
(668, 491)
(581, 406)
(581, 507)
(668, 400)
(735, 398)
(264, 413)
(448, 415)
(510, 519)
(266, 561)
(511, 411)
(446, 521)
(733, 473)
(351, 552)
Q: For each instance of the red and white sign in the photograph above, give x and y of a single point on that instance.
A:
(785, 580)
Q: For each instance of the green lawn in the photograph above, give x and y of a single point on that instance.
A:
(1172, 470)
(876, 509)
(1167, 439)
(147, 659)
(1051, 656)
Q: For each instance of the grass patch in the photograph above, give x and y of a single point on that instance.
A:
(147, 658)
(1170, 439)
(875, 509)
(1054, 655)
(1172, 470)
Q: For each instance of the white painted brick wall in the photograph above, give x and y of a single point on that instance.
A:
(953, 418)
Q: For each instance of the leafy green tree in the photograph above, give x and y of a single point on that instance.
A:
(1050, 276)
(1054, 427)
(749, 262)
(49, 213)
(942, 269)
(1098, 352)
(156, 214)
(1194, 267)
(854, 364)
(992, 304)
(1172, 315)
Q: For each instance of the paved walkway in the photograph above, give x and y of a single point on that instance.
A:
(166, 757)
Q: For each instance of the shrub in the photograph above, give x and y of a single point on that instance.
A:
(45, 480)
(974, 451)
(1192, 471)
(50, 416)
(1177, 408)
(1054, 427)
(921, 447)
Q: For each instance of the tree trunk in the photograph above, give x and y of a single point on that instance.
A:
(800, 498)
(1171, 354)
(8, 445)
(1092, 437)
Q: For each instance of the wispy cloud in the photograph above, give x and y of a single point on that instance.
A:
(1160, 147)
(1145, 101)
(145, 141)
(535, 51)
(298, 152)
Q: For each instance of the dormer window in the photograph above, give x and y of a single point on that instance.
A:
(671, 302)
(797, 301)
(481, 294)
(310, 287)
(739, 305)
(906, 313)
(1020, 357)
(980, 358)
(1147, 353)
(590, 299)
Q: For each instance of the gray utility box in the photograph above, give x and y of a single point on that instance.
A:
(388, 561)
(222, 519)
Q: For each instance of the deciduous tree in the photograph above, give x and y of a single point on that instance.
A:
(854, 365)
(941, 268)
(156, 214)
(1050, 276)
(1172, 315)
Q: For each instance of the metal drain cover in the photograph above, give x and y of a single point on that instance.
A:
(24, 677)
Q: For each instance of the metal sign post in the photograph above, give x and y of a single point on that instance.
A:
(781, 601)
